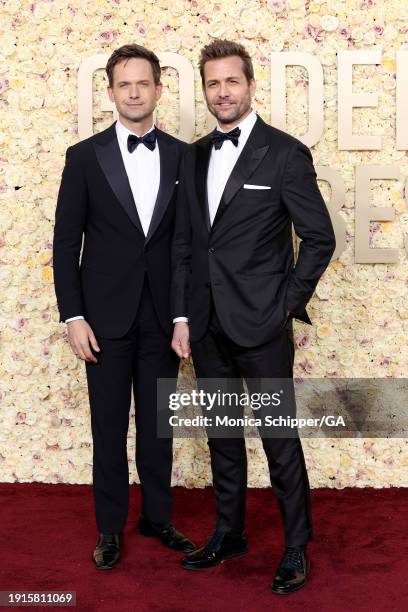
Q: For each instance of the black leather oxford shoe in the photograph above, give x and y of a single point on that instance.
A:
(220, 546)
(107, 551)
(292, 572)
(167, 534)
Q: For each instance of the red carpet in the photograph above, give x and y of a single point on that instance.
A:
(359, 554)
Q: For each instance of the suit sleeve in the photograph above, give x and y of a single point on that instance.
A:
(181, 248)
(312, 223)
(70, 218)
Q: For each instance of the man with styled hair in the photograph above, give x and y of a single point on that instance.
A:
(237, 287)
(117, 193)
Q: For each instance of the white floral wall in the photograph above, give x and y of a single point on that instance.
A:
(360, 312)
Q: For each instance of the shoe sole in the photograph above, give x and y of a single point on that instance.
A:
(229, 556)
(288, 592)
(105, 567)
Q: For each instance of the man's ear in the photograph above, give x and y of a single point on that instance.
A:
(203, 90)
(110, 94)
(159, 90)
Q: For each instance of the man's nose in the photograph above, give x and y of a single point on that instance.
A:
(223, 91)
(134, 91)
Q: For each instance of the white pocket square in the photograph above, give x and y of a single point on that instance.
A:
(256, 186)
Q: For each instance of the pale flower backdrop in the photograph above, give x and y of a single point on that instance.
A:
(360, 312)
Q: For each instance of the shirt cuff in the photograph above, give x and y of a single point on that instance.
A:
(74, 319)
(180, 320)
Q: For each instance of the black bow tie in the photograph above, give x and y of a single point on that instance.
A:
(149, 140)
(218, 138)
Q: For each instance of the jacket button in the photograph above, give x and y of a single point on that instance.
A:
(211, 250)
(208, 284)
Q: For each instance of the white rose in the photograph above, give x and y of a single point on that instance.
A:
(330, 23)
(41, 10)
(369, 38)
(357, 34)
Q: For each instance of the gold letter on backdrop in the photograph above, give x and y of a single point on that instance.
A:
(85, 74)
(279, 61)
(347, 100)
(174, 60)
(366, 213)
(402, 100)
(338, 196)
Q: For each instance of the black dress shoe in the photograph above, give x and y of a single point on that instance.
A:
(292, 572)
(220, 546)
(107, 551)
(167, 534)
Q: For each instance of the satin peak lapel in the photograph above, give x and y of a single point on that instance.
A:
(110, 159)
(168, 176)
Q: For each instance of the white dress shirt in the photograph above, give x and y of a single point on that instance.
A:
(222, 162)
(143, 171)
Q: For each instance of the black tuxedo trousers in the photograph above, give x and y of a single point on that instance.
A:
(217, 356)
(134, 360)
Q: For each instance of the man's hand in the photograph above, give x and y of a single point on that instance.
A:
(80, 336)
(180, 343)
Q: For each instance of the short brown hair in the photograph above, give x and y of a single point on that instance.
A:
(226, 48)
(129, 51)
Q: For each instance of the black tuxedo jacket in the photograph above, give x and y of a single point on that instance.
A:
(95, 201)
(246, 257)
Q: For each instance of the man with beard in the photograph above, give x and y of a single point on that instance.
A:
(236, 285)
(118, 191)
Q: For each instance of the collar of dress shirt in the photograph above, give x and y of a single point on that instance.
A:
(245, 126)
(123, 132)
